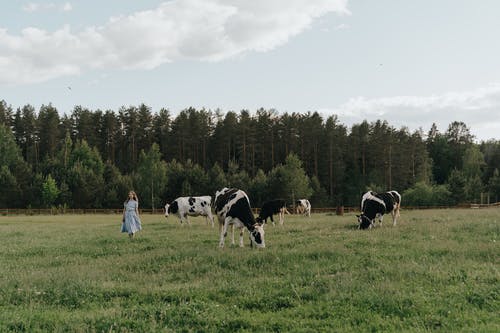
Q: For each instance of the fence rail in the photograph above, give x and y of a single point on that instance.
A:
(336, 210)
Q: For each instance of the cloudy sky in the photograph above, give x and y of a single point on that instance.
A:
(411, 62)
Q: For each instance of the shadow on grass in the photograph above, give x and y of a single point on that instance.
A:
(353, 226)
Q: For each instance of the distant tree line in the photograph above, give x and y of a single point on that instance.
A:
(90, 159)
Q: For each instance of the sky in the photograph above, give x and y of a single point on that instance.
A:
(412, 63)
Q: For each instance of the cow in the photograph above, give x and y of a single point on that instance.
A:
(232, 207)
(270, 208)
(375, 205)
(303, 207)
(191, 206)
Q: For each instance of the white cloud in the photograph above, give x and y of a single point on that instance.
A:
(67, 7)
(342, 26)
(478, 108)
(205, 30)
(35, 6)
(32, 7)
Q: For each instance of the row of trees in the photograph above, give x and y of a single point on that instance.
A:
(92, 158)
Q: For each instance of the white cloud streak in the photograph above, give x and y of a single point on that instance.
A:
(479, 109)
(33, 7)
(67, 7)
(204, 30)
(342, 26)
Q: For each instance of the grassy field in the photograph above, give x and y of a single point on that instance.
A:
(437, 270)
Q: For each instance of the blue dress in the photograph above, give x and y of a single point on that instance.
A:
(132, 223)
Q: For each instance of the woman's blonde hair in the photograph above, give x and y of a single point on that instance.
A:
(134, 196)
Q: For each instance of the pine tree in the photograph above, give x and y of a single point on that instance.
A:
(6, 114)
(162, 123)
(14, 172)
(49, 192)
(494, 186)
(152, 172)
(48, 131)
(290, 181)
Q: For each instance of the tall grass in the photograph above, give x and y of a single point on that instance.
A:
(437, 270)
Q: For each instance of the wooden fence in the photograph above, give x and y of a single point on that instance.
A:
(333, 210)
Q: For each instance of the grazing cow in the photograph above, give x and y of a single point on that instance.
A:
(191, 206)
(375, 205)
(303, 207)
(270, 208)
(232, 207)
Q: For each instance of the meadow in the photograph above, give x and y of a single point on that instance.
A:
(438, 270)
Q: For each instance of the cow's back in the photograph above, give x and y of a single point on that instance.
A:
(389, 201)
(273, 206)
(372, 204)
(223, 197)
(240, 208)
(396, 196)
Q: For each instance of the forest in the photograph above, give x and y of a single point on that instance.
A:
(91, 158)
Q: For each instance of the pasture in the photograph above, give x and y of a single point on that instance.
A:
(437, 270)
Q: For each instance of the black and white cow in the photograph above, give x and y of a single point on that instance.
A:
(191, 206)
(269, 208)
(303, 207)
(232, 207)
(375, 205)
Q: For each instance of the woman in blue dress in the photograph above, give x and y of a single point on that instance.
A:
(131, 222)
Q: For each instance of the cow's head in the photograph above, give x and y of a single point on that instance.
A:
(364, 221)
(257, 236)
(166, 209)
(171, 208)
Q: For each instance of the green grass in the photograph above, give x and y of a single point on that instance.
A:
(438, 270)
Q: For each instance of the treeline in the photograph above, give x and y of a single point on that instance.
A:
(91, 158)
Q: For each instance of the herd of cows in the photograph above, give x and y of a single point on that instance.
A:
(232, 208)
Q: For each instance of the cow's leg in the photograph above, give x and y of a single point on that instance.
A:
(380, 219)
(272, 220)
(281, 216)
(223, 231)
(232, 235)
(395, 214)
(241, 237)
(221, 237)
(211, 218)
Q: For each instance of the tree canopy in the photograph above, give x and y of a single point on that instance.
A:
(91, 158)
